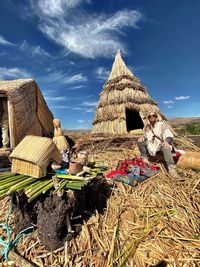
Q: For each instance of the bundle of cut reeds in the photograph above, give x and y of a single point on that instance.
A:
(61, 142)
(190, 160)
(33, 187)
(137, 132)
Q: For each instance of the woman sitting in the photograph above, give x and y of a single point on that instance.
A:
(157, 137)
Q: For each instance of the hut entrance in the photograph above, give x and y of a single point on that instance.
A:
(133, 120)
(4, 122)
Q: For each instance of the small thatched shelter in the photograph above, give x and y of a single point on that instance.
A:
(32, 156)
(28, 112)
(124, 102)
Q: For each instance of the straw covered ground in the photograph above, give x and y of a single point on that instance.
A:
(153, 224)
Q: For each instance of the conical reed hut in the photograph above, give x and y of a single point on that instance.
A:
(124, 102)
(28, 113)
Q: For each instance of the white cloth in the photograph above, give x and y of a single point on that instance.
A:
(161, 130)
(5, 137)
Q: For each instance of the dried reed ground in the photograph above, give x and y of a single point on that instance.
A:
(142, 226)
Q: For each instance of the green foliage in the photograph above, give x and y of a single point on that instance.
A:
(192, 128)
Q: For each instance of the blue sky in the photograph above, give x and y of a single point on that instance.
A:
(68, 47)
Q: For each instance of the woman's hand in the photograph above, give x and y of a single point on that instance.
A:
(165, 144)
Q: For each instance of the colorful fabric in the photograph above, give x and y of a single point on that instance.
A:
(61, 171)
(176, 156)
(133, 171)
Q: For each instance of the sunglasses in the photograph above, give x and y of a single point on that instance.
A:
(152, 116)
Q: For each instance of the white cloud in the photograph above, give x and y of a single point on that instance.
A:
(168, 102)
(13, 73)
(59, 98)
(81, 121)
(88, 35)
(78, 108)
(34, 50)
(89, 110)
(54, 8)
(76, 78)
(170, 106)
(60, 107)
(182, 97)
(102, 73)
(63, 78)
(3, 41)
(76, 87)
(48, 97)
(90, 104)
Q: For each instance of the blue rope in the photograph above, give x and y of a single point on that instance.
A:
(10, 244)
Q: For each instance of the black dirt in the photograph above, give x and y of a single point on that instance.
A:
(50, 212)
(4, 159)
(97, 192)
(24, 213)
(51, 221)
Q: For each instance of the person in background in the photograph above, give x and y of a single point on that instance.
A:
(4, 122)
(157, 137)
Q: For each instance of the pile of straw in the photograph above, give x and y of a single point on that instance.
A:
(142, 226)
(125, 143)
(155, 222)
(109, 143)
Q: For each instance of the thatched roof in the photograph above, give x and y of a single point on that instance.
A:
(119, 68)
(30, 113)
(33, 154)
(122, 91)
(36, 149)
(12, 85)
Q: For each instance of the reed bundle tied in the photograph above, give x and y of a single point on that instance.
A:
(190, 160)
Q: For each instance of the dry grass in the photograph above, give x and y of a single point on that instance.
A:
(158, 220)
(142, 226)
